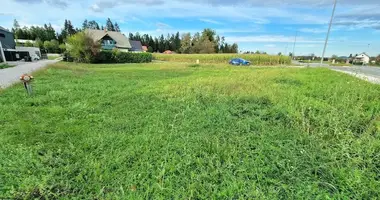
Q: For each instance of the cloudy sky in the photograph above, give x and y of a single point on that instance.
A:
(269, 25)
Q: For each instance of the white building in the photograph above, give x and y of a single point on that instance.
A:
(362, 58)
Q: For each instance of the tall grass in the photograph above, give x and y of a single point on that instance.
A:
(180, 131)
(256, 59)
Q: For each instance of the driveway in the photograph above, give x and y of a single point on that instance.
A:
(11, 75)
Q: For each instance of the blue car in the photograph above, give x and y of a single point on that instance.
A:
(239, 61)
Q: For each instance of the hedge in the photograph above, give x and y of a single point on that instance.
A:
(116, 57)
(122, 57)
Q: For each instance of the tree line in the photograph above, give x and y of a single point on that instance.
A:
(46, 38)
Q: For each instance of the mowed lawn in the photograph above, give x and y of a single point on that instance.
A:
(175, 131)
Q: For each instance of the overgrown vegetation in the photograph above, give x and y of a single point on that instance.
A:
(256, 59)
(169, 131)
(82, 48)
(3, 66)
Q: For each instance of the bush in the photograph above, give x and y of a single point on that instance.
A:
(82, 48)
(116, 56)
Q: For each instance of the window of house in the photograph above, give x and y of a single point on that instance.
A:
(2, 35)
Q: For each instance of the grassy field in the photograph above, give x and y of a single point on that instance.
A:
(174, 131)
(256, 59)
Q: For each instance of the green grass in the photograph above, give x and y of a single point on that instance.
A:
(3, 66)
(52, 57)
(176, 131)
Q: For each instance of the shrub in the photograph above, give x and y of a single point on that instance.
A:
(82, 48)
(116, 56)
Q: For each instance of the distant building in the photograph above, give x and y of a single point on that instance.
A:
(362, 58)
(168, 52)
(145, 48)
(21, 42)
(7, 39)
(136, 46)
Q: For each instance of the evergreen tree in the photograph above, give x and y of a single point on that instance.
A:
(117, 28)
(85, 24)
(161, 44)
(93, 25)
(70, 28)
(131, 36)
(177, 42)
(156, 45)
(109, 25)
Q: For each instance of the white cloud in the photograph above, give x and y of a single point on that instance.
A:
(210, 21)
(313, 30)
(270, 45)
(271, 38)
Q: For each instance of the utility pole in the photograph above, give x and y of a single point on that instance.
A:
(286, 50)
(2, 53)
(294, 46)
(328, 32)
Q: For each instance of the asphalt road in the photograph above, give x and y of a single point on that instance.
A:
(9, 76)
(368, 71)
(371, 74)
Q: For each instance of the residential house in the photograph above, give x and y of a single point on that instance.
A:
(136, 46)
(110, 39)
(145, 48)
(167, 52)
(7, 39)
(362, 58)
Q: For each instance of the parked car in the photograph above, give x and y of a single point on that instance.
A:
(239, 61)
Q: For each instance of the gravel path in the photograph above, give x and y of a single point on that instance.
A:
(11, 75)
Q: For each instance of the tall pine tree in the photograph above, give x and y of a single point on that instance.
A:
(85, 24)
(109, 25)
(117, 28)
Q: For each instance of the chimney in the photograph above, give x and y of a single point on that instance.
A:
(105, 29)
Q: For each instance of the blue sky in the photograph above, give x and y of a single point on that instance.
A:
(268, 25)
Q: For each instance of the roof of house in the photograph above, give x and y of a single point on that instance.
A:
(136, 45)
(4, 29)
(145, 48)
(120, 39)
(168, 52)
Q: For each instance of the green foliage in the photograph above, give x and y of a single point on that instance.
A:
(82, 48)
(256, 59)
(3, 66)
(28, 44)
(62, 47)
(52, 46)
(117, 56)
(169, 131)
(206, 42)
(38, 43)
